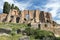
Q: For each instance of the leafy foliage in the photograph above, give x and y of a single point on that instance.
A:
(16, 8)
(7, 7)
(57, 38)
(12, 6)
(33, 33)
(13, 35)
(14, 26)
(38, 34)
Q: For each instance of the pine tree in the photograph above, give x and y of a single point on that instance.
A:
(12, 7)
(16, 8)
(6, 7)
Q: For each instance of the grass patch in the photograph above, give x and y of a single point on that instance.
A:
(5, 37)
(13, 25)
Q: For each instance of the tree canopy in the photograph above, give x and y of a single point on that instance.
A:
(38, 34)
(7, 7)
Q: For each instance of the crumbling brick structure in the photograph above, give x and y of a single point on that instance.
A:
(12, 16)
(3, 17)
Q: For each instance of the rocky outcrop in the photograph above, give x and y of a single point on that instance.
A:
(24, 38)
(5, 30)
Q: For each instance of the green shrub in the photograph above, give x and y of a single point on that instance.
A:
(57, 38)
(38, 34)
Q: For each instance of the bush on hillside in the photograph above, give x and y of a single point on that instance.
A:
(39, 34)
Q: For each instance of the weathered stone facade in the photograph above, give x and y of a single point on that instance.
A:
(3, 17)
(27, 16)
(37, 19)
(13, 16)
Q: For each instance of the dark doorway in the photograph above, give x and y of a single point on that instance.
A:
(17, 19)
(18, 31)
(39, 26)
(12, 17)
(47, 21)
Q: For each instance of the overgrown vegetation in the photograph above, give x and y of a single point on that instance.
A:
(40, 34)
(35, 34)
(5, 37)
(7, 7)
(13, 25)
(13, 35)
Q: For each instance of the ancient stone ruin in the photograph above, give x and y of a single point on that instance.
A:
(36, 18)
(26, 16)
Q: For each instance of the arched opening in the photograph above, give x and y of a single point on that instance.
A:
(17, 19)
(39, 26)
(47, 21)
(45, 25)
(11, 18)
(27, 16)
(18, 31)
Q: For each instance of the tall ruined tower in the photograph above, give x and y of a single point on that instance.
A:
(37, 15)
(23, 16)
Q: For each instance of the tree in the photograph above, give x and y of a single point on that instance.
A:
(19, 12)
(12, 7)
(39, 34)
(16, 8)
(29, 31)
(6, 7)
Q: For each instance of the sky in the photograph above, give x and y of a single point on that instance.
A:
(51, 6)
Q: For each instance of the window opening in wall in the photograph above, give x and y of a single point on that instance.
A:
(17, 19)
(47, 21)
(27, 16)
(39, 26)
(12, 16)
(45, 25)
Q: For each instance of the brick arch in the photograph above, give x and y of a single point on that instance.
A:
(17, 19)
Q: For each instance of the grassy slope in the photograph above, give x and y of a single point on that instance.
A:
(13, 26)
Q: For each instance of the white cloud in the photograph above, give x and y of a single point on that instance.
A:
(58, 15)
(58, 21)
(10, 1)
(21, 5)
(1, 4)
(55, 6)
